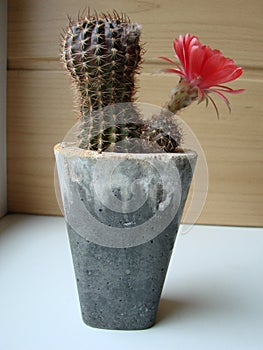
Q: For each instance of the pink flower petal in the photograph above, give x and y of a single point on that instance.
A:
(174, 70)
(195, 62)
(204, 68)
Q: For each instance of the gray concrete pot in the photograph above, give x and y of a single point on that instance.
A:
(122, 212)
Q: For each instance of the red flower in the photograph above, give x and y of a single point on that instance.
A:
(204, 68)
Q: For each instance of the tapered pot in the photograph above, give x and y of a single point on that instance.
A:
(122, 211)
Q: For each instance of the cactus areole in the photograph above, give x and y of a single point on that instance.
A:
(103, 55)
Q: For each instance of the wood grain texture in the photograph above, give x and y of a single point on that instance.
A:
(235, 27)
(40, 107)
(40, 113)
(3, 55)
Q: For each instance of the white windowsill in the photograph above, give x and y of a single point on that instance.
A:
(212, 297)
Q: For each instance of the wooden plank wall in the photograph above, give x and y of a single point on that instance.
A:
(40, 108)
(3, 44)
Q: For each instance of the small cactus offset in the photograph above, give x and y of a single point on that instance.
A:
(103, 54)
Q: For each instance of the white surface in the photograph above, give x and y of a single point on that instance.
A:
(3, 31)
(213, 296)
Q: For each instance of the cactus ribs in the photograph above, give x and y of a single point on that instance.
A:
(103, 55)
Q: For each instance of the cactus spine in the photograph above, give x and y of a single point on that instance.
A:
(102, 54)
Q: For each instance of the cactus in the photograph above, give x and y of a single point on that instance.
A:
(103, 55)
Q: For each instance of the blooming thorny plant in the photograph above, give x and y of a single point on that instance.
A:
(103, 55)
(202, 71)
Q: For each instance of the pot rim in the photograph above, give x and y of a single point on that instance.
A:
(72, 150)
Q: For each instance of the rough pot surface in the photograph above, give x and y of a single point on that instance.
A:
(123, 212)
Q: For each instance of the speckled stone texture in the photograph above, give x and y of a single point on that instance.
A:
(120, 287)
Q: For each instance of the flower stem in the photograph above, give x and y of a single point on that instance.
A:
(182, 96)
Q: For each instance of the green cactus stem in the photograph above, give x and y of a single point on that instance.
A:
(103, 54)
